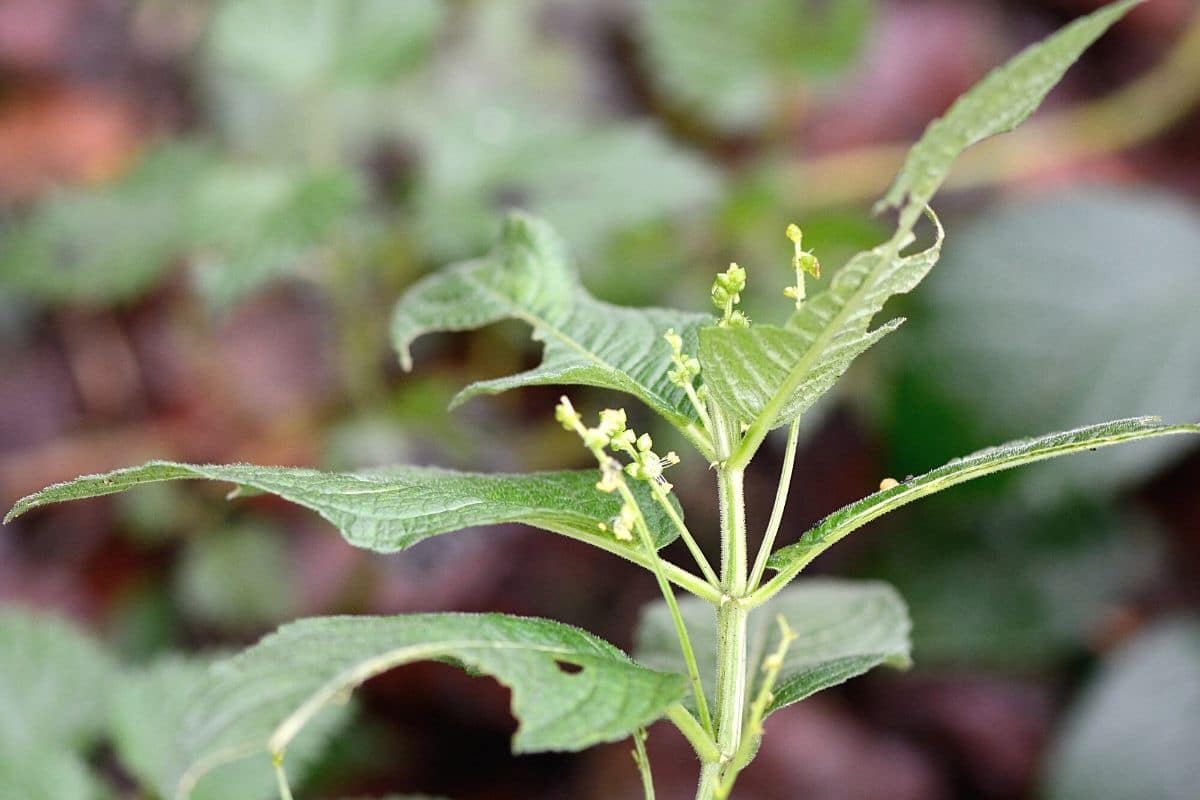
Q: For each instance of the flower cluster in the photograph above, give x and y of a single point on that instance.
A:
(612, 433)
(726, 293)
(687, 368)
(803, 262)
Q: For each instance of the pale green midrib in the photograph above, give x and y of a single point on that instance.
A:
(282, 735)
(762, 425)
(935, 483)
(538, 323)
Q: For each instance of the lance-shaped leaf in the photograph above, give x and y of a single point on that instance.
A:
(770, 375)
(570, 690)
(790, 560)
(394, 509)
(843, 629)
(528, 277)
(997, 104)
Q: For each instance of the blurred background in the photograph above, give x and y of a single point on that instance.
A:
(208, 207)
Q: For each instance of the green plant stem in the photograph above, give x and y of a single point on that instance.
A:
(731, 626)
(674, 573)
(781, 494)
(705, 568)
(758, 711)
(700, 739)
(285, 791)
(643, 762)
(685, 640)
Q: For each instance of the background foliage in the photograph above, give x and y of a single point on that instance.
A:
(208, 208)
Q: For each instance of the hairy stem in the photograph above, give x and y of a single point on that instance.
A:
(731, 629)
(700, 739)
(643, 762)
(705, 568)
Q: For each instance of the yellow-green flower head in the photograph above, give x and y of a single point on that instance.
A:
(728, 286)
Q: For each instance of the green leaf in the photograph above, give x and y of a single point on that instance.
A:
(587, 342)
(54, 681)
(394, 509)
(107, 244)
(844, 629)
(570, 690)
(1133, 734)
(249, 224)
(734, 62)
(762, 369)
(41, 773)
(1092, 290)
(990, 583)
(237, 578)
(792, 559)
(538, 162)
(303, 47)
(149, 710)
(997, 104)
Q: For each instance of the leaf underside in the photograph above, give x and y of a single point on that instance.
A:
(394, 509)
(844, 629)
(570, 690)
(985, 462)
(587, 342)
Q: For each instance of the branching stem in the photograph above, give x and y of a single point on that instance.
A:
(643, 762)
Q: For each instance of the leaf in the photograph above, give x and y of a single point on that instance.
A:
(148, 713)
(249, 224)
(570, 690)
(296, 48)
(394, 510)
(41, 773)
(753, 370)
(1092, 291)
(844, 629)
(793, 558)
(54, 681)
(236, 578)
(1133, 733)
(997, 104)
(990, 583)
(579, 176)
(587, 342)
(107, 244)
(733, 62)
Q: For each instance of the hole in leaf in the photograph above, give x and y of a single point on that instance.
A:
(568, 667)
